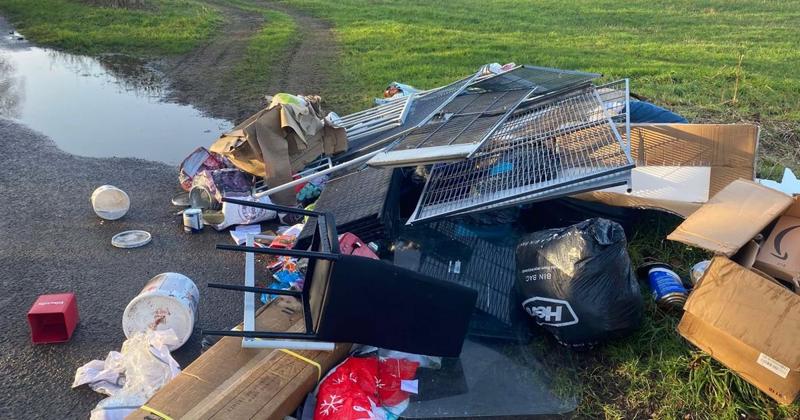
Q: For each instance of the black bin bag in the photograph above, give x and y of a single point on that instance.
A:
(577, 282)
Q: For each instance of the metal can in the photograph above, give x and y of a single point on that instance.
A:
(192, 220)
(667, 287)
(167, 301)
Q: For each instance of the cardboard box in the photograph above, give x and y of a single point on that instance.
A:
(779, 255)
(733, 217)
(680, 166)
(231, 382)
(748, 324)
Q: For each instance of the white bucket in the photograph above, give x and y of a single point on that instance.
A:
(110, 202)
(168, 300)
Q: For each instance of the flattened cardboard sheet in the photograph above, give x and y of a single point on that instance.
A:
(732, 217)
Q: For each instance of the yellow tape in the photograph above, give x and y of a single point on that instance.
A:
(305, 359)
(156, 412)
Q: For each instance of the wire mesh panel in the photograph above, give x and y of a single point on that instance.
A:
(419, 109)
(463, 126)
(467, 119)
(378, 119)
(562, 142)
(616, 100)
(542, 79)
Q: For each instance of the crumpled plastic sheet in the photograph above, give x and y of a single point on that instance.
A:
(130, 377)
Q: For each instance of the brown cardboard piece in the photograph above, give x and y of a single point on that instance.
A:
(748, 324)
(729, 150)
(229, 381)
(779, 256)
(731, 218)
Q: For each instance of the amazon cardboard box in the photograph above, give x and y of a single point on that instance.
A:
(749, 324)
(779, 255)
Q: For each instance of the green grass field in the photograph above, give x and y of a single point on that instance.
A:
(166, 27)
(721, 61)
(713, 61)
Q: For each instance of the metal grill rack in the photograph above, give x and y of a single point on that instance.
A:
(543, 79)
(488, 268)
(420, 109)
(378, 119)
(549, 148)
(363, 203)
(467, 121)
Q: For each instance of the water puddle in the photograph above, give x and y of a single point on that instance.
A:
(104, 107)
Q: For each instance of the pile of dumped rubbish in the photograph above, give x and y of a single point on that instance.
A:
(495, 207)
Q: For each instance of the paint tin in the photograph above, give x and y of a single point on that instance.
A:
(192, 220)
(110, 202)
(168, 300)
(666, 286)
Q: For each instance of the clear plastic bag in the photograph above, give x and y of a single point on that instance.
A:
(130, 377)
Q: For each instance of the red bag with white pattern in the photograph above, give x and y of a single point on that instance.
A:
(359, 388)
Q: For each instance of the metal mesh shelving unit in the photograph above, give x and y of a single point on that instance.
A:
(466, 122)
(558, 146)
(378, 119)
(418, 111)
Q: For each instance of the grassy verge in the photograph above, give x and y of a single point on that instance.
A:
(722, 61)
(166, 27)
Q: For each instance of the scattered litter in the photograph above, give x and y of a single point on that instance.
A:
(192, 220)
(130, 377)
(167, 301)
(789, 183)
(395, 90)
(110, 202)
(236, 214)
(181, 199)
(281, 140)
(666, 285)
(131, 239)
(577, 282)
(474, 155)
(200, 160)
(698, 270)
(53, 318)
(209, 187)
(239, 234)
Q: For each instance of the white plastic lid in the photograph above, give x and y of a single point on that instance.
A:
(131, 239)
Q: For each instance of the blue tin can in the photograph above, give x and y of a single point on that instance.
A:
(667, 288)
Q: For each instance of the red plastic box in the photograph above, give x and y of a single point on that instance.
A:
(53, 318)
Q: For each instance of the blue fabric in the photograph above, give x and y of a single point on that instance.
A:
(645, 112)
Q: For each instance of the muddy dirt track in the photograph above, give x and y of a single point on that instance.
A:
(201, 77)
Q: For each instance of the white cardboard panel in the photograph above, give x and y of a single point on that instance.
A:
(675, 183)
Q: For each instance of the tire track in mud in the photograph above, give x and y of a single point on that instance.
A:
(202, 77)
